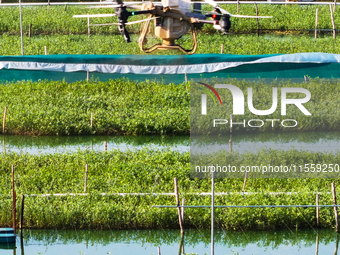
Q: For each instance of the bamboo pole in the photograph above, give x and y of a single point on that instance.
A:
(316, 22)
(317, 245)
(66, 7)
(335, 208)
(91, 123)
(317, 210)
(22, 211)
(48, 6)
(4, 121)
(212, 212)
(105, 146)
(333, 23)
(231, 119)
(159, 250)
(45, 48)
(222, 48)
(245, 181)
(257, 19)
(238, 6)
(186, 77)
(21, 34)
(86, 171)
(14, 201)
(180, 220)
(87, 75)
(231, 145)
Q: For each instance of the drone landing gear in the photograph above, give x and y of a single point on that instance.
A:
(170, 45)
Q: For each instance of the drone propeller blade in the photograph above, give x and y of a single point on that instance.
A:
(134, 22)
(252, 17)
(95, 15)
(130, 6)
(215, 5)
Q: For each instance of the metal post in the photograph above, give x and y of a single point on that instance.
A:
(212, 211)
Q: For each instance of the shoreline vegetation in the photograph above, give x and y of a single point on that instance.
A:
(152, 171)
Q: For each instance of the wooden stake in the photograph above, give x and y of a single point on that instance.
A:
(245, 181)
(305, 78)
(178, 208)
(186, 77)
(105, 146)
(86, 170)
(238, 6)
(257, 19)
(333, 24)
(317, 245)
(22, 211)
(335, 208)
(14, 201)
(45, 50)
(159, 250)
(317, 210)
(316, 22)
(66, 7)
(334, 6)
(222, 48)
(4, 121)
(87, 75)
(230, 145)
(231, 119)
(30, 30)
(91, 124)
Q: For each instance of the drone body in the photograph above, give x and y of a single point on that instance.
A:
(172, 20)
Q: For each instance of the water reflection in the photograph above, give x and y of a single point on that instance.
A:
(312, 141)
(146, 242)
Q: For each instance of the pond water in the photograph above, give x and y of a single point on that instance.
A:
(146, 242)
(312, 141)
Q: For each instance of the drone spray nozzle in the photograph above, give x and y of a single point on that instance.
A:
(225, 23)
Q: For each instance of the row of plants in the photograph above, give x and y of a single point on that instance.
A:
(59, 19)
(117, 106)
(207, 43)
(129, 107)
(153, 171)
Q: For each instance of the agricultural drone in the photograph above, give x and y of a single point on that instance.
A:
(172, 19)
